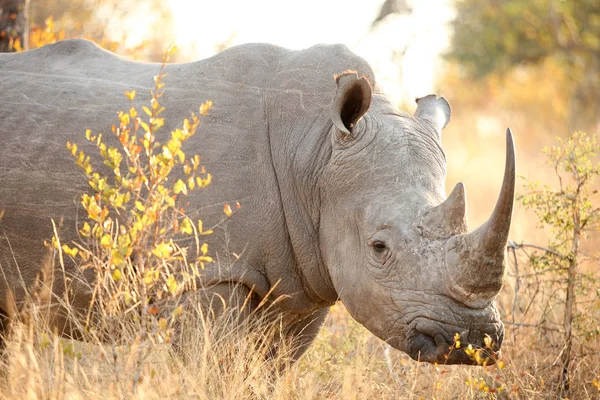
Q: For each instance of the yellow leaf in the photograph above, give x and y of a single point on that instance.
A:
(117, 275)
(17, 46)
(186, 226)
(170, 201)
(227, 210)
(172, 284)
(470, 351)
(144, 126)
(162, 324)
(124, 118)
(140, 206)
(163, 250)
(158, 122)
(181, 155)
(167, 153)
(488, 342)
(85, 231)
(204, 248)
(201, 230)
(106, 241)
(205, 107)
(179, 187)
(148, 279)
(147, 111)
(70, 251)
(130, 95)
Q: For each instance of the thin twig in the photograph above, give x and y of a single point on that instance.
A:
(517, 287)
(514, 245)
(537, 326)
(540, 272)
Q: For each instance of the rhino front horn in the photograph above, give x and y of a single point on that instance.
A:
(493, 235)
(477, 259)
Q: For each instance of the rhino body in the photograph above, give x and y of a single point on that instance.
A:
(342, 195)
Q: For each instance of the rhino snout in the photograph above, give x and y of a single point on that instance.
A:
(433, 342)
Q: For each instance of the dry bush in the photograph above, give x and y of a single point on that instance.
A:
(219, 358)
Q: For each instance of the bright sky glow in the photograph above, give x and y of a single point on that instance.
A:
(203, 26)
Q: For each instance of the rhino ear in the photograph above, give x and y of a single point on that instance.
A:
(437, 111)
(351, 102)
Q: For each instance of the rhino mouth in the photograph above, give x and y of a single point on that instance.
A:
(435, 342)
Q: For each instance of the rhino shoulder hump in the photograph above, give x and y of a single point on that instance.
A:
(73, 47)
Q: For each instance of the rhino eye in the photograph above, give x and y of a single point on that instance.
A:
(379, 246)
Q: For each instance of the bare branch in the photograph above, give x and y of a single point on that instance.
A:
(540, 272)
(537, 326)
(514, 245)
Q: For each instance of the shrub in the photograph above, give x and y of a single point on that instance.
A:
(562, 267)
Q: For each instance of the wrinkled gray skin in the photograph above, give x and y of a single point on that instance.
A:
(342, 195)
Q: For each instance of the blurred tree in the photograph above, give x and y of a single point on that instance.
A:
(110, 23)
(13, 24)
(67, 13)
(571, 211)
(496, 36)
(392, 7)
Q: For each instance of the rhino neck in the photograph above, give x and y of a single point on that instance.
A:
(300, 147)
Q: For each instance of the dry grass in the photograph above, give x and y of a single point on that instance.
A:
(217, 362)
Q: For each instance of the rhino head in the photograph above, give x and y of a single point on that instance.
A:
(398, 251)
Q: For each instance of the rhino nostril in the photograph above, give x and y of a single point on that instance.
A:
(423, 341)
(422, 347)
(440, 340)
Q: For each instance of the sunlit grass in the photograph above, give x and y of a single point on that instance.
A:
(345, 362)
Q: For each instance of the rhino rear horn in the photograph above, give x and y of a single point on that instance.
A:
(449, 218)
(437, 111)
(351, 102)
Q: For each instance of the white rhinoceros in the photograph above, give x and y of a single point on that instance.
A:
(342, 195)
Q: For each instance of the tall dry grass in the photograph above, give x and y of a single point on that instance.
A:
(217, 361)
